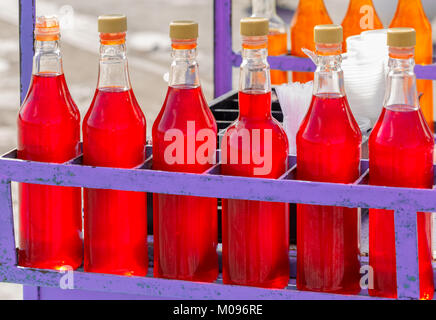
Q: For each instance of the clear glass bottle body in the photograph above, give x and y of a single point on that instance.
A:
(114, 135)
(277, 38)
(255, 234)
(328, 149)
(185, 227)
(400, 155)
(50, 221)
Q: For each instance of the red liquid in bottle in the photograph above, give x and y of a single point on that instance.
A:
(185, 227)
(328, 148)
(255, 234)
(50, 221)
(114, 135)
(401, 155)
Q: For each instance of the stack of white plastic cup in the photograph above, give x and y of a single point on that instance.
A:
(364, 67)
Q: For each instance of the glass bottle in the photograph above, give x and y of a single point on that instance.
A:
(309, 14)
(411, 14)
(277, 37)
(400, 155)
(184, 140)
(255, 234)
(114, 135)
(50, 218)
(361, 16)
(328, 149)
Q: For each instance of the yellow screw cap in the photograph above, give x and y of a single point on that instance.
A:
(254, 27)
(112, 23)
(183, 30)
(401, 37)
(328, 34)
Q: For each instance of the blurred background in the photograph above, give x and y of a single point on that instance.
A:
(148, 51)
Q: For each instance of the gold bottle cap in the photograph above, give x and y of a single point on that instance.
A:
(112, 23)
(254, 27)
(328, 34)
(401, 37)
(183, 30)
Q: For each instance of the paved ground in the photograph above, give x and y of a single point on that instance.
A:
(149, 55)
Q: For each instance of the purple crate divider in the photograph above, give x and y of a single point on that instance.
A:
(27, 24)
(222, 46)
(406, 202)
(207, 185)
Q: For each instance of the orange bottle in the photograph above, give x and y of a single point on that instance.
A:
(277, 38)
(361, 16)
(309, 14)
(410, 13)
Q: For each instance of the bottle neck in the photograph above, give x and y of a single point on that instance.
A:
(357, 4)
(264, 8)
(410, 5)
(48, 58)
(329, 77)
(401, 82)
(184, 68)
(255, 78)
(113, 66)
(309, 4)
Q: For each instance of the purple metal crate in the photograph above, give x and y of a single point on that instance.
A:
(210, 184)
(44, 284)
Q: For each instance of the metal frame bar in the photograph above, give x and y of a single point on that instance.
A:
(209, 184)
(406, 202)
(27, 25)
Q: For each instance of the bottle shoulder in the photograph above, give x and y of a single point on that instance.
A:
(401, 149)
(53, 106)
(183, 106)
(269, 133)
(330, 122)
(253, 124)
(114, 110)
(411, 18)
(254, 154)
(402, 130)
(303, 18)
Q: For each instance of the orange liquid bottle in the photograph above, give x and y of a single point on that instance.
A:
(410, 13)
(309, 14)
(361, 16)
(185, 227)
(400, 155)
(277, 38)
(255, 233)
(50, 220)
(114, 135)
(328, 148)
